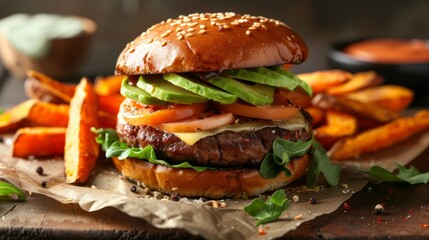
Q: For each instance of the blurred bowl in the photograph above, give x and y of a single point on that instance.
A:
(413, 75)
(64, 57)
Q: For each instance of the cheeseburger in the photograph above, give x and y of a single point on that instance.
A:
(206, 112)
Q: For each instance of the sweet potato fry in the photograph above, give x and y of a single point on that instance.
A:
(106, 119)
(48, 114)
(38, 142)
(393, 97)
(15, 117)
(366, 111)
(338, 125)
(108, 85)
(359, 81)
(381, 137)
(317, 114)
(110, 103)
(48, 85)
(320, 81)
(81, 150)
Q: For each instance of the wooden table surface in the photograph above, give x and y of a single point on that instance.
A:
(405, 216)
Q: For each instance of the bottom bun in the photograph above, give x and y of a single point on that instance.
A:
(214, 184)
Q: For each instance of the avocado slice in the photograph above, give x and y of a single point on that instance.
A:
(256, 94)
(186, 82)
(138, 94)
(262, 78)
(157, 87)
(302, 84)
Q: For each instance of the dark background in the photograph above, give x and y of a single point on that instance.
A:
(319, 22)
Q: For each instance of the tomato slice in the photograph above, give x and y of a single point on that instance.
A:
(139, 114)
(298, 96)
(205, 124)
(272, 112)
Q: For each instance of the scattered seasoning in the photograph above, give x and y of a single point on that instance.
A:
(297, 217)
(148, 191)
(39, 170)
(312, 201)
(380, 219)
(158, 195)
(344, 185)
(133, 188)
(175, 196)
(346, 206)
(223, 205)
(295, 198)
(43, 184)
(261, 231)
(214, 204)
(378, 209)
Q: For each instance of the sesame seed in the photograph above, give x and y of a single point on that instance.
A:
(194, 18)
(178, 29)
(248, 32)
(180, 37)
(204, 19)
(178, 22)
(297, 217)
(189, 35)
(264, 27)
(235, 23)
(186, 19)
(192, 24)
(202, 26)
(288, 38)
(163, 43)
(225, 26)
(169, 20)
(190, 30)
(202, 31)
(212, 23)
(252, 28)
(166, 33)
(149, 40)
(183, 24)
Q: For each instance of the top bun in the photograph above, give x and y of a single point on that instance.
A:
(211, 42)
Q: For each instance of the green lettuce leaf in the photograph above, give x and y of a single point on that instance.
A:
(8, 189)
(270, 210)
(410, 175)
(109, 141)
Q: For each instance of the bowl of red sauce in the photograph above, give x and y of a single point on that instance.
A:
(402, 61)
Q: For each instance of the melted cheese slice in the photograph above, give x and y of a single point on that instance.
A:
(295, 123)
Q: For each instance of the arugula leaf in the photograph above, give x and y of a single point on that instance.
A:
(283, 150)
(270, 210)
(410, 175)
(322, 164)
(8, 189)
(110, 143)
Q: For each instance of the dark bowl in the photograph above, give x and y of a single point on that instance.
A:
(411, 75)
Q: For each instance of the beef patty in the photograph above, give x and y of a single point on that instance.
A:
(225, 149)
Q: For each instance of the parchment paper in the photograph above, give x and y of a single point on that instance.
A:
(107, 189)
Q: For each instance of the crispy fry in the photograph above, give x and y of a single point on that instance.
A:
(381, 137)
(338, 125)
(366, 111)
(393, 97)
(317, 114)
(320, 81)
(81, 149)
(48, 85)
(38, 142)
(108, 85)
(48, 114)
(106, 119)
(110, 103)
(284, 96)
(359, 81)
(15, 117)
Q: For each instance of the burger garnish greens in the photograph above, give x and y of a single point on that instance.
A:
(206, 110)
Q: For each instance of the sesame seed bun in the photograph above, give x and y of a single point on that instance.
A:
(213, 184)
(211, 42)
